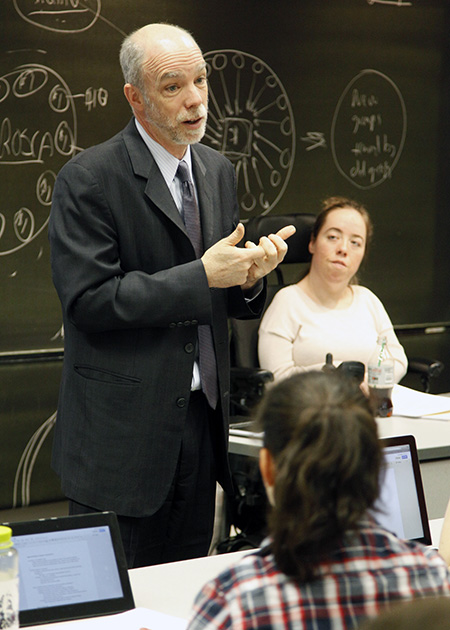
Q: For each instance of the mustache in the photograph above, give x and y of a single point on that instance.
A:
(198, 112)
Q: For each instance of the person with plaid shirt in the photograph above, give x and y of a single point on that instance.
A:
(327, 564)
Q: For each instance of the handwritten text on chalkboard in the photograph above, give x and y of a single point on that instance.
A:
(39, 149)
(65, 16)
(368, 129)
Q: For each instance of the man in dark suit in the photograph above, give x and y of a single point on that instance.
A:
(143, 410)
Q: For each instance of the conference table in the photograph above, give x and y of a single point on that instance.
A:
(430, 429)
(164, 593)
(171, 588)
(433, 445)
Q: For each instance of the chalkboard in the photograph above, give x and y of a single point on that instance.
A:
(308, 99)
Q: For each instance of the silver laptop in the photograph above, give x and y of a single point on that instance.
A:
(401, 507)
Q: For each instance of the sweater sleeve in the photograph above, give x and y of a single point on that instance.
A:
(277, 333)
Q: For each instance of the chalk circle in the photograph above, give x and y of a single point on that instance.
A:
(72, 16)
(368, 129)
(59, 99)
(275, 178)
(39, 134)
(251, 122)
(24, 225)
(44, 187)
(219, 62)
(248, 202)
(29, 81)
(5, 89)
(238, 61)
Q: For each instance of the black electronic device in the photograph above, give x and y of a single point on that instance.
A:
(71, 567)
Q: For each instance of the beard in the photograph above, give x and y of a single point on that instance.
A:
(174, 129)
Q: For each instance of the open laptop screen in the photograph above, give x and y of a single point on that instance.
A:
(401, 506)
(70, 567)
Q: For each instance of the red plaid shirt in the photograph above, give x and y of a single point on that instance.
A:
(372, 569)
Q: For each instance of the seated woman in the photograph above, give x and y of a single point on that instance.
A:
(327, 311)
(327, 563)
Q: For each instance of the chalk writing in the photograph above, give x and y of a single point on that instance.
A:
(66, 16)
(368, 129)
(251, 122)
(39, 152)
(315, 140)
(396, 3)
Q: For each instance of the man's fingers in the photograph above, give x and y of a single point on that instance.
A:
(286, 232)
(235, 237)
(268, 246)
(255, 251)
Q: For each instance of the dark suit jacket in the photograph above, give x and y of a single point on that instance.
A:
(132, 295)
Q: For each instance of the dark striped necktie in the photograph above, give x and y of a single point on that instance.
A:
(191, 217)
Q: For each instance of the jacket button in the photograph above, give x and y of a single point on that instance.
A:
(189, 347)
(181, 402)
(172, 325)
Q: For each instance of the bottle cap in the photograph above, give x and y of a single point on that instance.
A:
(5, 536)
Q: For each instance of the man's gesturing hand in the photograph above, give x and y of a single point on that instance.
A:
(275, 249)
(227, 265)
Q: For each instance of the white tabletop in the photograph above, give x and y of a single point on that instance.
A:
(171, 588)
(432, 432)
(432, 436)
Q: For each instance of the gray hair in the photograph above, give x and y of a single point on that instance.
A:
(132, 56)
(131, 59)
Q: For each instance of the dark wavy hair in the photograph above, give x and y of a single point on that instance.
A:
(321, 432)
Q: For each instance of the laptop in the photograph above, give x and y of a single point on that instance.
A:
(71, 567)
(401, 506)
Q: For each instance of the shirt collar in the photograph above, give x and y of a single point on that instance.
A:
(166, 162)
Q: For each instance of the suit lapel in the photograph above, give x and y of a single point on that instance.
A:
(145, 166)
(158, 193)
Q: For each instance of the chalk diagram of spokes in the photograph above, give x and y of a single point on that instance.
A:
(250, 121)
(38, 152)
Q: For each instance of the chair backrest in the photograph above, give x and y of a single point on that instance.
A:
(244, 333)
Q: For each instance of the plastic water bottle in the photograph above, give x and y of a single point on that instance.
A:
(381, 379)
(9, 581)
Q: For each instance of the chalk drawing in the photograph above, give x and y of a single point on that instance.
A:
(251, 122)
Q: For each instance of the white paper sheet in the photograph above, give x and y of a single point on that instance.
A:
(414, 404)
